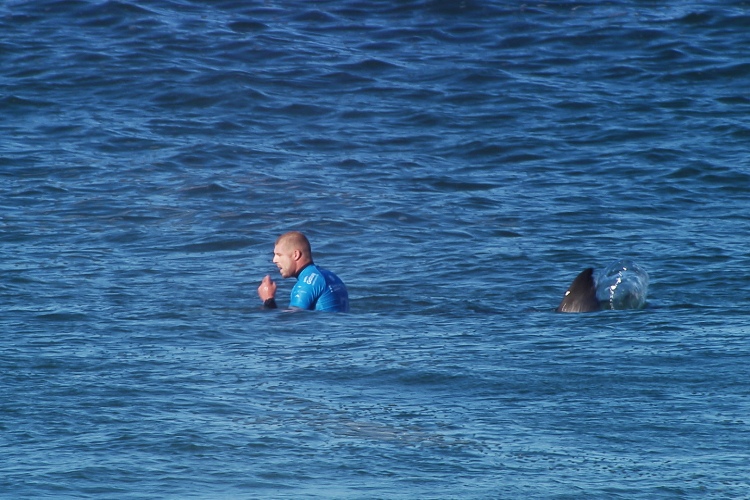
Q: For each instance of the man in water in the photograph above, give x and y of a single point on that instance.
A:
(316, 288)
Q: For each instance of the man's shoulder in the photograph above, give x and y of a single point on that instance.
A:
(310, 275)
(313, 275)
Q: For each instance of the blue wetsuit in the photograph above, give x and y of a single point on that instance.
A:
(320, 290)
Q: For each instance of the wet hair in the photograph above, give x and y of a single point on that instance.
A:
(297, 241)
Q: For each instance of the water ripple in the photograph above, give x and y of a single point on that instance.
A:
(457, 163)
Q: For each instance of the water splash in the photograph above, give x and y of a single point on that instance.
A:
(622, 285)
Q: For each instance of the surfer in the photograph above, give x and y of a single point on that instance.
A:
(316, 289)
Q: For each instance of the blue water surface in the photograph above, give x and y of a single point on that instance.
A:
(457, 164)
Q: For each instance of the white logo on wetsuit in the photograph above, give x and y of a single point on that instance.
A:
(309, 279)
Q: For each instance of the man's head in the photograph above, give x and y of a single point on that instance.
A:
(291, 253)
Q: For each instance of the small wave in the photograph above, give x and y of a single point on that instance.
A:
(214, 246)
(211, 188)
(62, 316)
(247, 26)
(12, 101)
(306, 110)
(315, 16)
(369, 65)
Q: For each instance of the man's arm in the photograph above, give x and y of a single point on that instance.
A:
(307, 291)
(267, 293)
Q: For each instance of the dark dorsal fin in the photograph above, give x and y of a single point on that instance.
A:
(581, 294)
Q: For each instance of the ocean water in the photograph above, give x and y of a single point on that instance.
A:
(457, 164)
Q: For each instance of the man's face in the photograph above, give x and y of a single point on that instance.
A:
(283, 257)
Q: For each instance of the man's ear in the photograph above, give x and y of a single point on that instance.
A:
(296, 255)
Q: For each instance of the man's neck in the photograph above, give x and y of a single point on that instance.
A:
(303, 268)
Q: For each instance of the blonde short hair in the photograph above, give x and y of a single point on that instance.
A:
(297, 241)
